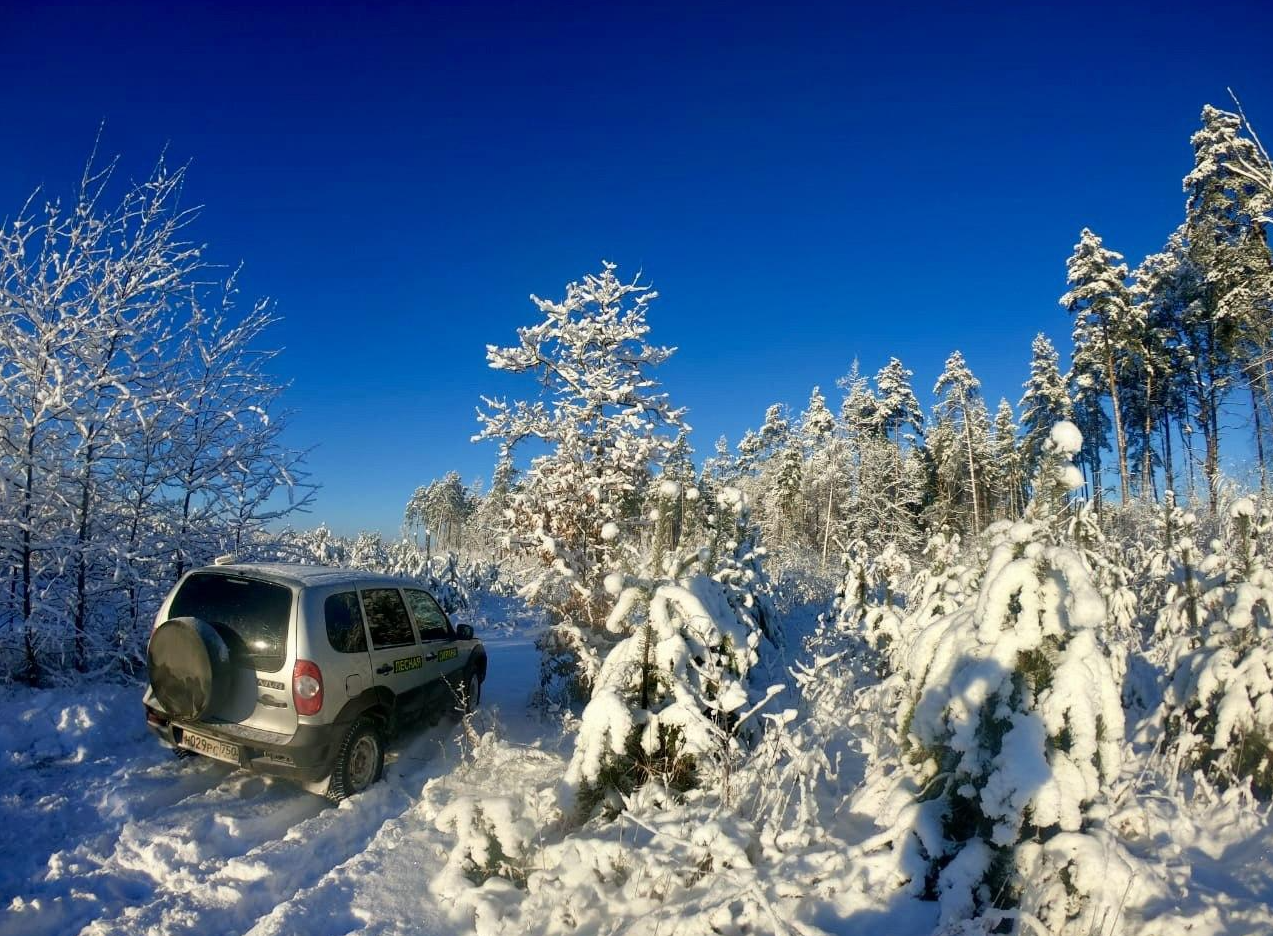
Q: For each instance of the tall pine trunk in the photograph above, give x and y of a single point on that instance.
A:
(1253, 379)
(972, 468)
(1147, 461)
(1211, 436)
(1120, 439)
(1191, 460)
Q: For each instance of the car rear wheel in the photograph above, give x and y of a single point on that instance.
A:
(359, 761)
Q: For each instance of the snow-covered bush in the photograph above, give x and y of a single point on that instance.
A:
(1173, 562)
(1218, 706)
(871, 595)
(943, 584)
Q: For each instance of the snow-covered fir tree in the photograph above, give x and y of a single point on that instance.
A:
(1015, 722)
(672, 697)
(1218, 707)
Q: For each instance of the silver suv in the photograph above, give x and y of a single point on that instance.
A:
(304, 671)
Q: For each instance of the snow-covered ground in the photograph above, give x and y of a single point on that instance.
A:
(102, 830)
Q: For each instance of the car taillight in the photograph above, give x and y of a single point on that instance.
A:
(307, 687)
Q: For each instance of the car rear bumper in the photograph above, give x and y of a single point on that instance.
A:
(305, 756)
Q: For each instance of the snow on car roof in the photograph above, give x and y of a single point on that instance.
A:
(295, 573)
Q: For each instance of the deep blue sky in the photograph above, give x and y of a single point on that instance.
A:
(803, 185)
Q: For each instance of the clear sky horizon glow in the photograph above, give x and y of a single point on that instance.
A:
(803, 186)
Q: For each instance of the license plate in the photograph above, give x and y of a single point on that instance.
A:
(221, 750)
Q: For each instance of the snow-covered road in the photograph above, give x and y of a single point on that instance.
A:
(104, 831)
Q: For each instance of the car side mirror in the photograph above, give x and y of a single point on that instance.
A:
(464, 632)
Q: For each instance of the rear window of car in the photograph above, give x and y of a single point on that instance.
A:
(252, 617)
(344, 623)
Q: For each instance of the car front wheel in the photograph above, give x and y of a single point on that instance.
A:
(472, 692)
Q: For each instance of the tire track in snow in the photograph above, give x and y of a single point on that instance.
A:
(236, 854)
(41, 809)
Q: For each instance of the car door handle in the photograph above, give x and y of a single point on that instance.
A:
(384, 669)
(430, 657)
(271, 701)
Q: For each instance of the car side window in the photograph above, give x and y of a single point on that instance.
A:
(344, 623)
(387, 618)
(429, 617)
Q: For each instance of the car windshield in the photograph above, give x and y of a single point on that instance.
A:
(251, 616)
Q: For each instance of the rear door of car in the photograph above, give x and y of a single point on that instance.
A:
(254, 618)
(442, 657)
(397, 661)
(345, 660)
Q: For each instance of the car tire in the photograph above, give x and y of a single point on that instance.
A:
(360, 760)
(472, 691)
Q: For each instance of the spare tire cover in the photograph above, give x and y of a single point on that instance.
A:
(185, 656)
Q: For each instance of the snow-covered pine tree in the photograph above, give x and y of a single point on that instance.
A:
(441, 510)
(783, 486)
(1101, 303)
(870, 598)
(942, 585)
(1086, 390)
(1114, 576)
(604, 424)
(1046, 402)
(1150, 380)
(490, 523)
(825, 471)
(1007, 478)
(897, 406)
(721, 467)
(817, 423)
(883, 486)
(1225, 242)
(1165, 286)
(961, 410)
